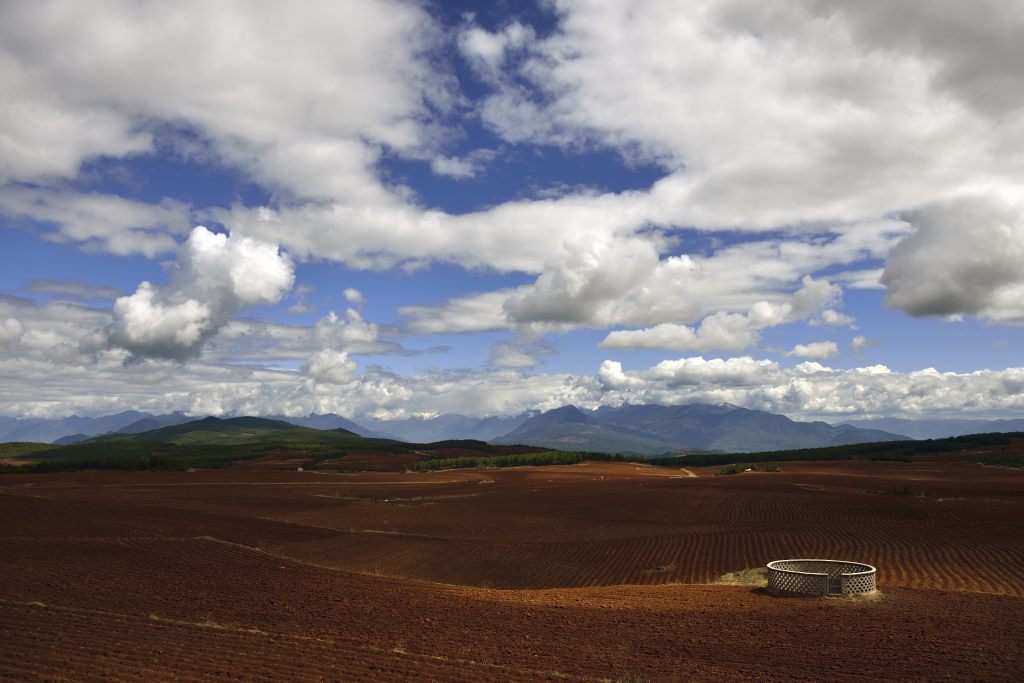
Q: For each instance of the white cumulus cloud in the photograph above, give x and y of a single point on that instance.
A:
(965, 258)
(353, 333)
(99, 221)
(860, 342)
(354, 296)
(330, 367)
(727, 331)
(214, 276)
(815, 350)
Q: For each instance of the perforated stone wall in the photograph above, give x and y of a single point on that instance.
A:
(812, 577)
(797, 582)
(859, 583)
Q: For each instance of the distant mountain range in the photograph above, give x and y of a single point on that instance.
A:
(939, 429)
(571, 429)
(326, 421)
(653, 429)
(647, 429)
(75, 428)
(444, 427)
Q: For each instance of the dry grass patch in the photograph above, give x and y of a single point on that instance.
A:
(756, 576)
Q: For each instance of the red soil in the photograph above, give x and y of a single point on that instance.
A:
(371, 461)
(17, 462)
(310, 576)
(281, 460)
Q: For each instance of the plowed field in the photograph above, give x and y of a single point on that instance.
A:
(587, 572)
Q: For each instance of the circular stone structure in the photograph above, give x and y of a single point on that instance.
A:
(820, 577)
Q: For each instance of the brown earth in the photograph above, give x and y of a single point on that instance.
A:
(587, 572)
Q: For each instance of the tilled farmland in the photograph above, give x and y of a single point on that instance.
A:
(596, 571)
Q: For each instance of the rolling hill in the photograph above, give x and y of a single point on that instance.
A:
(241, 430)
(240, 441)
(155, 422)
(210, 442)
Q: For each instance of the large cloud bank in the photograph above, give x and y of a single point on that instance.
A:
(811, 116)
(54, 349)
(327, 383)
(804, 149)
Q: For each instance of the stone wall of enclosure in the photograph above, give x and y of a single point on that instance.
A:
(820, 577)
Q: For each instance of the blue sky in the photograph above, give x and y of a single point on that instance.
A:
(418, 208)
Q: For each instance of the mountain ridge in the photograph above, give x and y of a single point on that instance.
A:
(645, 428)
(939, 429)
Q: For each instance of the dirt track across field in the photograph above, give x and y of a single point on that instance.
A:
(587, 572)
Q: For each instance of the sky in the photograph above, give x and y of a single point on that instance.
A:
(388, 209)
